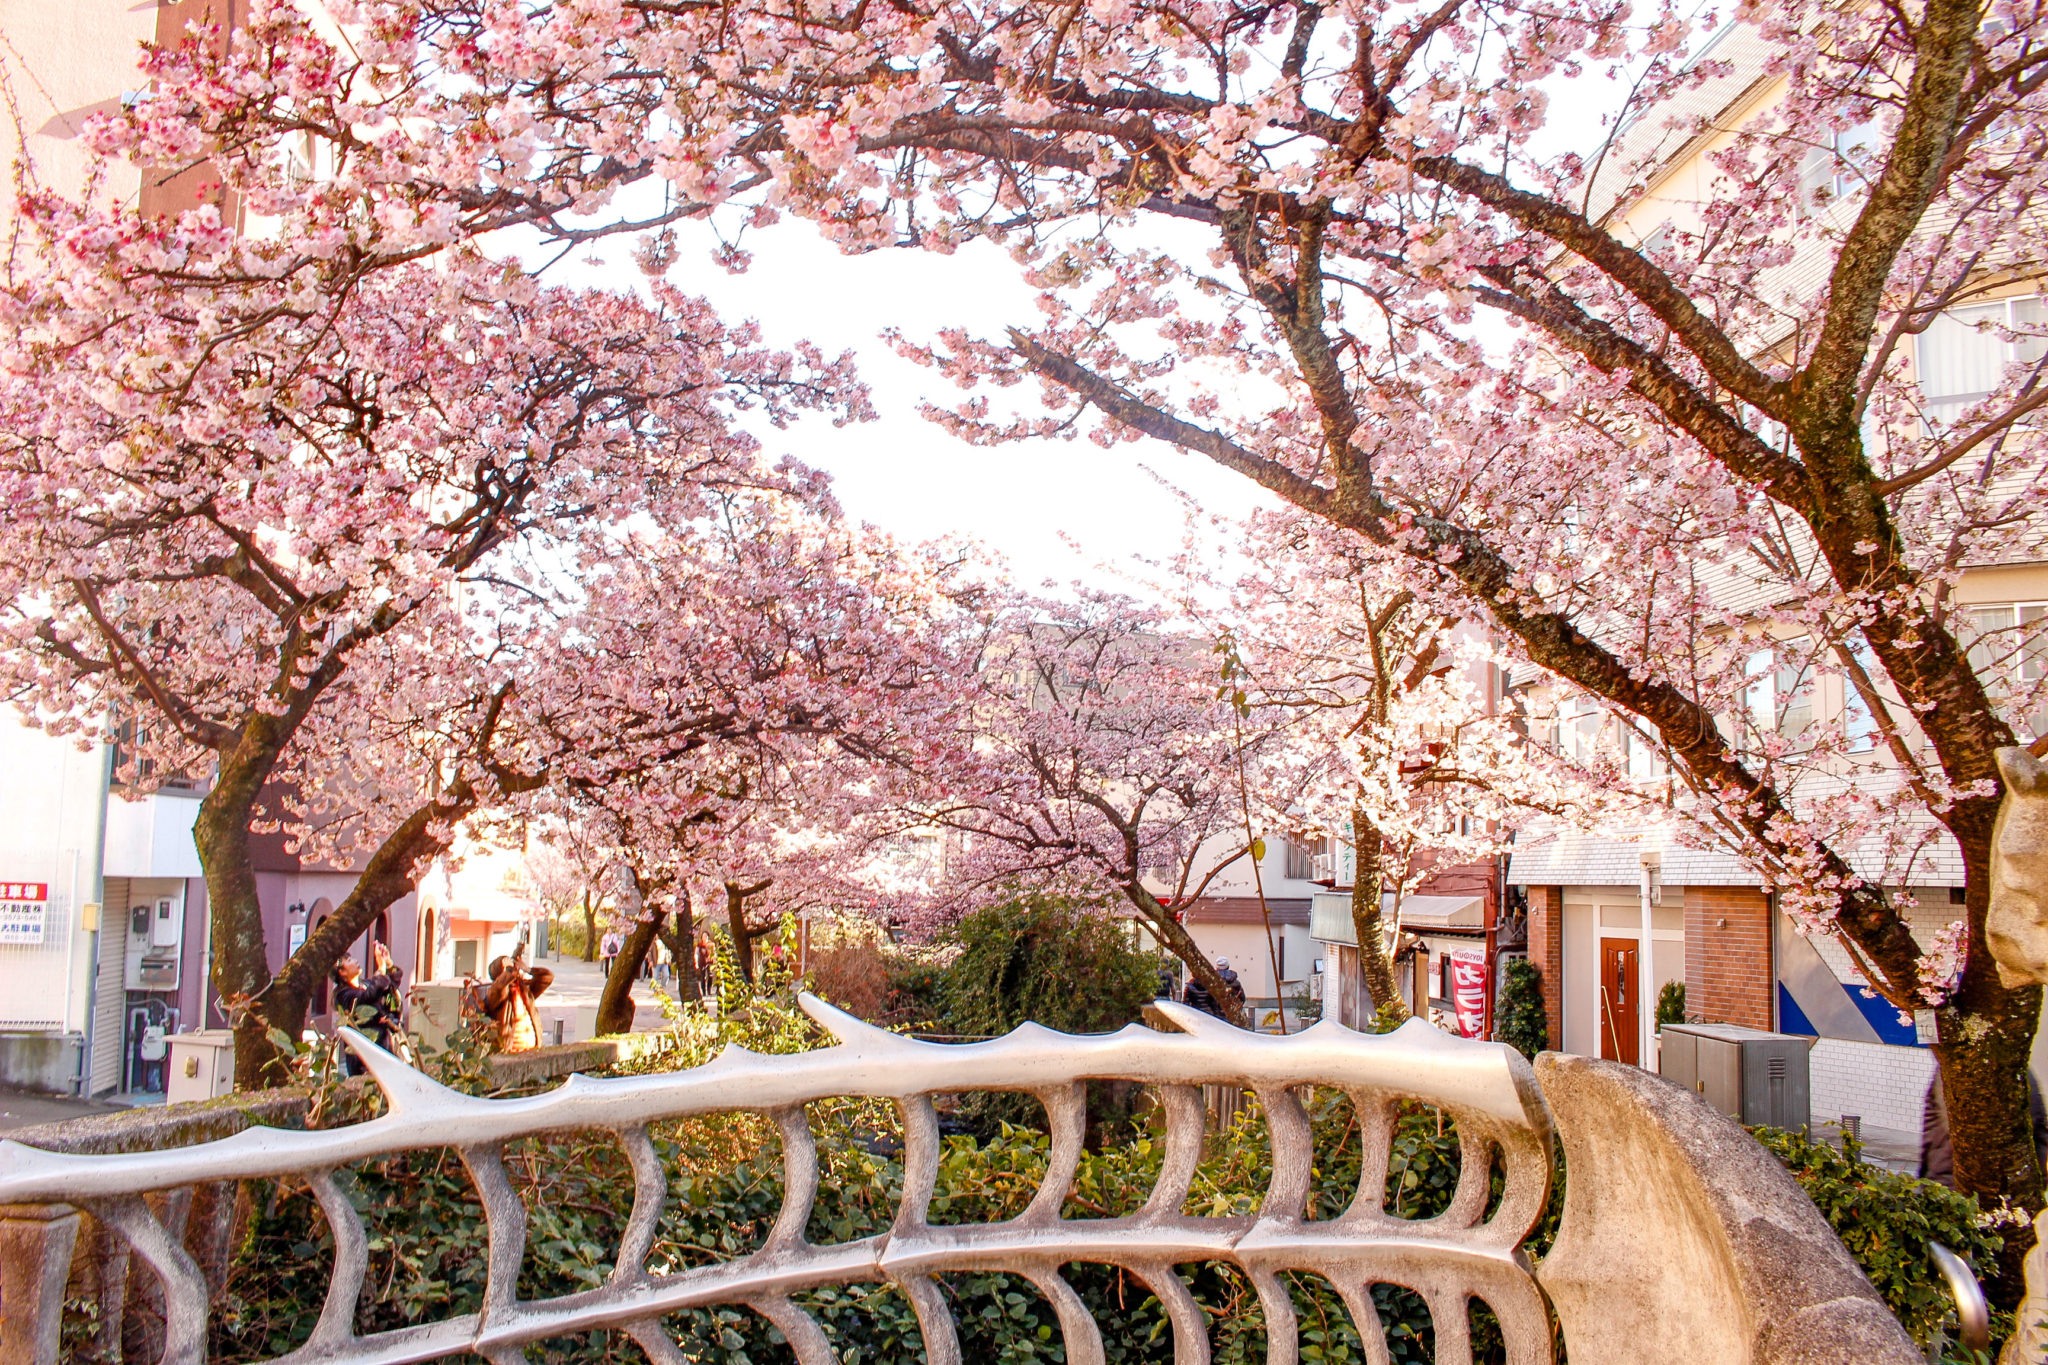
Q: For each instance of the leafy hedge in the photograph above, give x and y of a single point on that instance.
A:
(1886, 1220)
(428, 1246)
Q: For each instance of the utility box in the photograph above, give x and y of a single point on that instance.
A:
(436, 1015)
(1751, 1076)
(202, 1065)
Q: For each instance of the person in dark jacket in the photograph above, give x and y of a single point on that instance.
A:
(1937, 1148)
(1198, 995)
(368, 1003)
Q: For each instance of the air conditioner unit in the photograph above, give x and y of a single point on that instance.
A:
(1322, 868)
(1751, 1076)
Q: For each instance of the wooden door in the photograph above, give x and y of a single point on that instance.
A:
(1620, 1025)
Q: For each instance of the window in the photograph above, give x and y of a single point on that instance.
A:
(1792, 682)
(1300, 861)
(2008, 646)
(1640, 754)
(1578, 728)
(1831, 172)
(1859, 726)
(1963, 354)
(1780, 693)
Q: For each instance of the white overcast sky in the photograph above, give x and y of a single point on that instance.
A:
(1056, 511)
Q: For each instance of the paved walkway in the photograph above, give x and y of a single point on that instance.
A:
(578, 984)
(21, 1108)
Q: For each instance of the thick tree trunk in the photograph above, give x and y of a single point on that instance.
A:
(615, 1006)
(1375, 960)
(680, 937)
(736, 898)
(736, 925)
(1986, 1033)
(386, 879)
(589, 927)
(1182, 945)
(241, 957)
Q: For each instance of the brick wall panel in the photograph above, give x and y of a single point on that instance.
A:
(1546, 950)
(1728, 977)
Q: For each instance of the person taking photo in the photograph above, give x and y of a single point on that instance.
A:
(369, 1003)
(509, 1001)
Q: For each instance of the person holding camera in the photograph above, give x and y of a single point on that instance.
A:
(509, 1001)
(369, 1002)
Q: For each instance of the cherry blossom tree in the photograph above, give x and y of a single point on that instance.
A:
(750, 696)
(1106, 759)
(1347, 252)
(565, 867)
(1405, 745)
(282, 534)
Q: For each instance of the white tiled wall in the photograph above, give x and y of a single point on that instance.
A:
(1885, 1085)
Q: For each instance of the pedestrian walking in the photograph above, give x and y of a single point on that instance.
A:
(607, 949)
(509, 1001)
(702, 964)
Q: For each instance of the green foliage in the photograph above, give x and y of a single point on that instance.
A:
(1886, 1220)
(1671, 1004)
(428, 1245)
(1066, 964)
(1522, 1023)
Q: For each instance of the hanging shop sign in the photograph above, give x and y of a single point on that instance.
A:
(1468, 992)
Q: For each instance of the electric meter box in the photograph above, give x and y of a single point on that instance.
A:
(202, 1065)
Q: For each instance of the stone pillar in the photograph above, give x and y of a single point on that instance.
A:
(1728, 973)
(35, 1261)
(1546, 950)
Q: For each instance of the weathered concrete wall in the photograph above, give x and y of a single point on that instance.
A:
(2017, 928)
(47, 1062)
(43, 1246)
(1683, 1240)
(513, 1069)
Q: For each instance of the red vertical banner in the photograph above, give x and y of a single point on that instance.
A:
(1468, 992)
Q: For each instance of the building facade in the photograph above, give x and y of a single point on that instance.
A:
(1616, 920)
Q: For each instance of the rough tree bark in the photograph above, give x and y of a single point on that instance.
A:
(1181, 944)
(1375, 959)
(615, 1007)
(736, 897)
(679, 935)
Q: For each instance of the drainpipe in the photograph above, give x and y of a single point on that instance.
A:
(97, 881)
(1652, 861)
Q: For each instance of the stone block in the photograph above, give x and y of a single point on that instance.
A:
(1684, 1240)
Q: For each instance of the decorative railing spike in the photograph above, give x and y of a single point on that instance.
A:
(1449, 1260)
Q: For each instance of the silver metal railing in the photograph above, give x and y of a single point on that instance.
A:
(1462, 1254)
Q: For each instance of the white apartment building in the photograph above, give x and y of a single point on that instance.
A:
(1613, 920)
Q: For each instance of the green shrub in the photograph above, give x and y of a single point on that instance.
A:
(1671, 1004)
(428, 1244)
(1886, 1220)
(1066, 964)
(1523, 1024)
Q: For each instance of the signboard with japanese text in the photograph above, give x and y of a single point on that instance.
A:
(1468, 992)
(24, 913)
